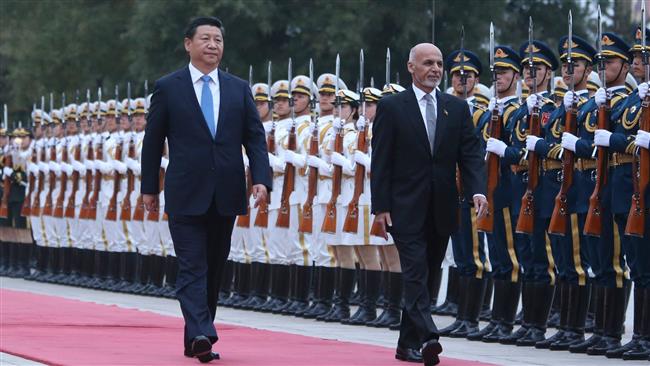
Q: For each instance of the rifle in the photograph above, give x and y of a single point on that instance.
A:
(640, 166)
(486, 223)
(153, 215)
(245, 220)
(6, 182)
(351, 223)
(138, 212)
(99, 155)
(375, 229)
(111, 213)
(560, 215)
(262, 218)
(26, 209)
(329, 223)
(289, 169)
(526, 220)
(307, 223)
(125, 211)
(35, 209)
(58, 208)
(593, 222)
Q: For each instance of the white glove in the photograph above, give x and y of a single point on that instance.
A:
(338, 123)
(67, 168)
(30, 168)
(119, 166)
(134, 165)
(320, 164)
(569, 141)
(7, 171)
(294, 158)
(79, 167)
(643, 90)
(90, 164)
(339, 159)
(568, 99)
(495, 103)
(363, 159)
(97, 139)
(56, 168)
(103, 167)
(267, 127)
(531, 141)
(44, 167)
(361, 123)
(642, 139)
(164, 162)
(601, 138)
(277, 164)
(600, 97)
(496, 146)
(531, 102)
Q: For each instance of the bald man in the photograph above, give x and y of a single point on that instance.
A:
(419, 137)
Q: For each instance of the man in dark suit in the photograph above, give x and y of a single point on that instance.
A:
(206, 115)
(419, 137)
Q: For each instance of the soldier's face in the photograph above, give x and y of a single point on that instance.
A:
(580, 73)
(139, 121)
(83, 125)
(111, 124)
(326, 102)
(371, 111)
(206, 47)
(615, 71)
(426, 67)
(541, 75)
(281, 107)
(24, 143)
(262, 108)
(346, 112)
(38, 131)
(638, 71)
(506, 80)
(71, 127)
(124, 122)
(58, 131)
(457, 82)
(300, 102)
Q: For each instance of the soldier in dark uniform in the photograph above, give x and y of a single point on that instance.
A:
(506, 269)
(467, 242)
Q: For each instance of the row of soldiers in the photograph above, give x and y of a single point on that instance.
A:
(306, 251)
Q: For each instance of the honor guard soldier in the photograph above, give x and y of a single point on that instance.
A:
(503, 253)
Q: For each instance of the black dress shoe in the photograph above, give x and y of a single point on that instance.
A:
(202, 349)
(430, 351)
(188, 353)
(408, 354)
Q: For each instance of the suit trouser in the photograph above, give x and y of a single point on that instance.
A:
(501, 242)
(467, 243)
(201, 243)
(418, 254)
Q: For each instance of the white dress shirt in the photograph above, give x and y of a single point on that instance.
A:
(196, 75)
(422, 103)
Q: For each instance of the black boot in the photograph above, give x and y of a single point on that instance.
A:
(262, 287)
(234, 285)
(555, 313)
(486, 313)
(4, 258)
(527, 318)
(101, 268)
(542, 301)
(76, 262)
(113, 271)
(87, 267)
(284, 286)
(39, 266)
(642, 351)
(496, 314)
(144, 262)
(599, 321)
(226, 283)
(637, 341)
(473, 303)
(313, 291)
(171, 271)
(450, 305)
(614, 317)
(24, 260)
(300, 291)
(131, 274)
(367, 311)
(341, 309)
(13, 259)
(561, 291)
(157, 276)
(120, 282)
(291, 293)
(462, 283)
(435, 277)
(508, 293)
(256, 296)
(392, 313)
(242, 290)
(578, 304)
(325, 293)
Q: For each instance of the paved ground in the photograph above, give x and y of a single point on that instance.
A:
(456, 348)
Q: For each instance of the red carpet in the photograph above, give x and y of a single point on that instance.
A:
(58, 331)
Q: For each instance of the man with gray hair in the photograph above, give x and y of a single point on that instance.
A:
(413, 187)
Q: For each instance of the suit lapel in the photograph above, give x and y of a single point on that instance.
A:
(441, 120)
(415, 117)
(187, 88)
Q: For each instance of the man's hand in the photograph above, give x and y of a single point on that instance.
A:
(150, 202)
(383, 221)
(481, 205)
(260, 194)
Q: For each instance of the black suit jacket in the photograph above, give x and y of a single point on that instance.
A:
(202, 168)
(406, 177)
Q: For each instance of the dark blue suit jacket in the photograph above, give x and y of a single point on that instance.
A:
(202, 168)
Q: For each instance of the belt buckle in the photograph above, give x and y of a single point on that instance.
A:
(594, 175)
(524, 177)
(560, 176)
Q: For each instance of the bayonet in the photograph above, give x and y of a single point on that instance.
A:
(601, 58)
(312, 99)
(372, 81)
(363, 99)
(463, 74)
(387, 67)
(146, 88)
(291, 103)
(569, 56)
(5, 116)
(269, 80)
(250, 76)
(531, 66)
(494, 73)
(644, 52)
(128, 99)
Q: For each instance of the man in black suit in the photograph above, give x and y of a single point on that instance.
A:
(419, 137)
(206, 115)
